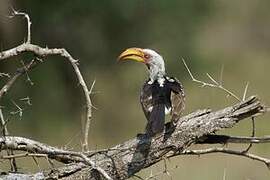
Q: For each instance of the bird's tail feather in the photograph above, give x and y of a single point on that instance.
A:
(156, 120)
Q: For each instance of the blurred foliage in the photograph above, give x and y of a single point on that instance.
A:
(208, 34)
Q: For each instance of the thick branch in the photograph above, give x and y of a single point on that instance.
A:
(28, 145)
(124, 160)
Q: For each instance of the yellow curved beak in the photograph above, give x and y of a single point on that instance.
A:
(135, 54)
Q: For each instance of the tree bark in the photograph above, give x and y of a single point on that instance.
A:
(128, 158)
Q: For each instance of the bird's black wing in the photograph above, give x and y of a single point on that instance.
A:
(146, 99)
(177, 99)
(153, 108)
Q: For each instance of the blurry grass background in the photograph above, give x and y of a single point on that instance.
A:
(207, 34)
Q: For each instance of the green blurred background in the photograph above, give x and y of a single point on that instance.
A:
(209, 34)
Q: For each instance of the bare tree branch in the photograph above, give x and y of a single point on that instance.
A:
(219, 85)
(215, 84)
(89, 114)
(18, 73)
(22, 155)
(245, 92)
(4, 128)
(44, 52)
(3, 123)
(4, 75)
(24, 144)
(126, 159)
(16, 13)
(252, 135)
(228, 151)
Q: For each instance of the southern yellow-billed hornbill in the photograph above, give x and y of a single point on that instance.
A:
(160, 94)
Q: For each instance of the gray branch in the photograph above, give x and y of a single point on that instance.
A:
(42, 53)
(126, 159)
(228, 151)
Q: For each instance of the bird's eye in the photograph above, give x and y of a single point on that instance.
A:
(146, 56)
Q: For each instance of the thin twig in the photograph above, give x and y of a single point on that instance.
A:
(88, 115)
(27, 75)
(12, 161)
(91, 92)
(245, 92)
(224, 174)
(16, 13)
(166, 170)
(18, 73)
(215, 83)
(227, 151)
(27, 100)
(252, 119)
(252, 135)
(92, 87)
(3, 123)
(155, 176)
(87, 99)
(19, 111)
(212, 79)
(4, 75)
(50, 163)
(36, 162)
(23, 155)
(221, 74)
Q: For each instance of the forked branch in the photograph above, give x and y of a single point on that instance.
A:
(126, 159)
(40, 52)
(214, 83)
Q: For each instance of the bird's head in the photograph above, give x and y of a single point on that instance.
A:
(150, 58)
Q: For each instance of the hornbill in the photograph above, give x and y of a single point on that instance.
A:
(160, 94)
